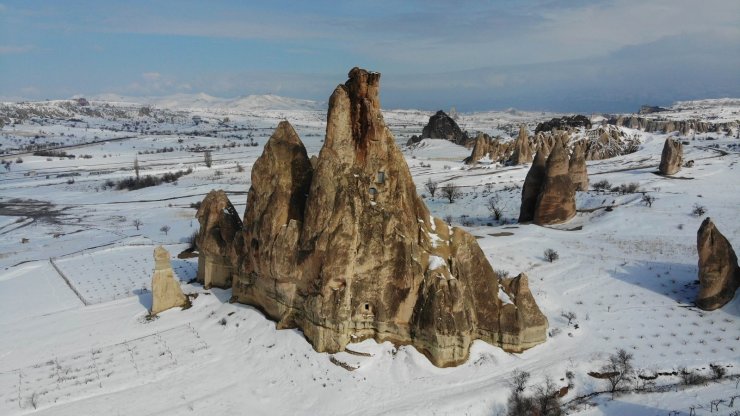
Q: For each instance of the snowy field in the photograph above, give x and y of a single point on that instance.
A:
(76, 263)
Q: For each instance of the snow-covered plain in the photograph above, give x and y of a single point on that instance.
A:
(74, 271)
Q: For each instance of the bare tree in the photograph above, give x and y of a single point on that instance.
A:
(570, 316)
(494, 207)
(648, 200)
(551, 255)
(618, 369)
(208, 158)
(451, 192)
(431, 186)
(165, 229)
(136, 168)
(137, 223)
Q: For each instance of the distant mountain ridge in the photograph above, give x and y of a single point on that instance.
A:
(204, 101)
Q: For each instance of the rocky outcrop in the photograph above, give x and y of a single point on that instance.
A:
(219, 224)
(522, 152)
(719, 274)
(671, 159)
(577, 167)
(663, 125)
(364, 258)
(487, 147)
(166, 292)
(556, 201)
(532, 185)
(564, 123)
(442, 126)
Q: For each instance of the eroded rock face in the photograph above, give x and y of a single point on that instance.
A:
(556, 202)
(564, 123)
(364, 258)
(166, 291)
(532, 186)
(522, 152)
(492, 148)
(442, 126)
(719, 274)
(672, 157)
(219, 224)
(577, 167)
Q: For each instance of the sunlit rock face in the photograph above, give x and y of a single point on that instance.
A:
(719, 274)
(346, 250)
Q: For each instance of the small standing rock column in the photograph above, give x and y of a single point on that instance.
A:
(166, 292)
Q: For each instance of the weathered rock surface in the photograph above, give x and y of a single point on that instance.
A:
(492, 148)
(166, 291)
(685, 127)
(671, 159)
(219, 224)
(522, 152)
(442, 126)
(364, 258)
(564, 123)
(719, 274)
(577, 167)
(532, 185)
(556, 202)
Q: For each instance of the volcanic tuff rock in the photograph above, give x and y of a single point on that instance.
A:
(442, 126)
(522, 152)
(577, 167)
(556, 202)
(348, 251)
(719, 274)
(672, 157)
(532, 185)
(166, 292)
(219, 224)
(563, 123)
(485, 146)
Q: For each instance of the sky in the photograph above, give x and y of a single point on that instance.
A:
(557, 55)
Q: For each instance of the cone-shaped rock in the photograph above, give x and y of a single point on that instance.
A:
(364, 259)
(219, 224)
(719, 275)
(522, 152)
(166, 291)
(442, 126)
(577, 167)
(556, 202)
(532, 185)
(672, 157)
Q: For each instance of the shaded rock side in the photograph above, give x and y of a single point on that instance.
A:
(219, 224)
(556, 202)
(522, 152)
(532, 185)
(719, 274)
(364, 258)
(671, 159)
(577, 167)
(442, 126)
(166, 291)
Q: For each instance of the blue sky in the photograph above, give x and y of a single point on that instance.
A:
(577, 55)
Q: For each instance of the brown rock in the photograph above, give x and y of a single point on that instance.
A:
(532, 185)
(166, 292)
(219, 223)
(485, 146)
(719, 274)
(556, 202)
(672, 157)
(522, 152)
(577, 167)
(364, 259)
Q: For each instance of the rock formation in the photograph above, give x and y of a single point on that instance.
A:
(166, 292)
(219, 224)
(577, 167)
(719, 274)
(672, 157)
(348, 251)
(442, 126)
(685, 127)
(556, 201)
(522, 152)
(492, 148)
(564, 123)
(532, 185)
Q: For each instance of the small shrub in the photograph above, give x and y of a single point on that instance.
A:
(494, 207)
(222, 322)
(165, 229)
(602, 185)
(690, 377)
(551, 255)
(570, 316)
(137, 223)
(195, 205)
(648, 200)
(451, 192)
(698, 210)
(718, 371)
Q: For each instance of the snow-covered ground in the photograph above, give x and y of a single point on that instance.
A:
(75, 271)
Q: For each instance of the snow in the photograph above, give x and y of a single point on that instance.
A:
(503, 296)
(627, 274)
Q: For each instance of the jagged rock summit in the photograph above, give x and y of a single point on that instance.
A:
(166, 291)
(442, 126)
(577, 167)
(348, 251)
(522, 152)
(672, 157)
(719, 274)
